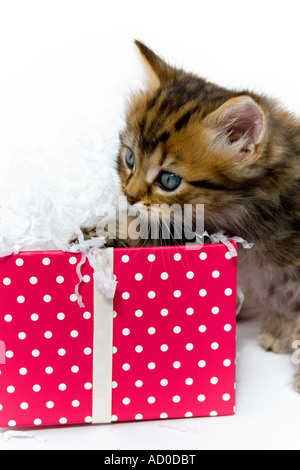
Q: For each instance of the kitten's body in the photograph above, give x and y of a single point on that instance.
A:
(239, 154)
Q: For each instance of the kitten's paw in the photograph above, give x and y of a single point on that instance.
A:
(272, 343)
(88, 232)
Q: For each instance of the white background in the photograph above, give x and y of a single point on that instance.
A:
(64, 62)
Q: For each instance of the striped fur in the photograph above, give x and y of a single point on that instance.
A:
(239, 154)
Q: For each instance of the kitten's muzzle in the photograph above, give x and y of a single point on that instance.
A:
(131, 199)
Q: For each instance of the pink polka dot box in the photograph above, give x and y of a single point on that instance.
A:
(164, 347)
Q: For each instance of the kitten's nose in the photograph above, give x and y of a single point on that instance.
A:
(131, 199)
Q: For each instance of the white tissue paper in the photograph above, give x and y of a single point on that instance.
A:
(46, 195)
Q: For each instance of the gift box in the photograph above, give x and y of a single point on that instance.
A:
(164, 347)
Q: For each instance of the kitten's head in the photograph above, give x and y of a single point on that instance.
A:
(189, 141)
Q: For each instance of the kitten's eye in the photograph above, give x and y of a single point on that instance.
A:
(169, 181)
(130, 158)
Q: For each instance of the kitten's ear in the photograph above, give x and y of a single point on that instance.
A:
(157, 70)
(238, 125)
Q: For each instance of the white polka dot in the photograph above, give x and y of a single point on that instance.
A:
(61, 352)
(126, 401)
(177, 257)
(9, 354)
(139, 348)
(164, 382)
(126, 366)
(201, 364)
(163, 415)
(203, 256)
(215, 310)
(8, 318)
(114, 384)
(35, 353)
(88, 385)
(22, 335)
(176, 399)
(139, 383)
(50, 404)
(115, 349)
(201, 398)
(24, 405)
(87, 315)
(164, 347)
(20, 299)
(125, 258)
(48, 334)
(125, 295)
(11, 389)
(177, 293)
(138, 416)
(46, 261)
(227, 362)
(188, 414)
(72, 260)
(138, 313)
(202, 328)
(126, 331)
(138, 277)
(151, 330)
(114, 418)
(164, 312)
(115, 314)
(214, 380)
(87, 351)
(34, 317)
(228, 255)
(228, 291)
(64, 420)
(75, 403)
(228, 327)
(189, 381)
(215, 274)
(11, 423)
(177, 329)
(176, 364)
(37, 422)
(47, 298)
(23, 371)
(151, 400)
(73, 298)
(164, 276)
(61, 316)
(19, 262)
(36, 388)
(74, 333)
(151, 258)
(60, 279)
(6, 281)
(214, 346)
(151, 294)
(75, 369)
(226, 397)
(202, 292)
(213, 413)
(189, 347)
(151, 365)
(49, 370)
(190, 275)
(62, 387)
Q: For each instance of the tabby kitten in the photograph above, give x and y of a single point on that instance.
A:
(189, 141)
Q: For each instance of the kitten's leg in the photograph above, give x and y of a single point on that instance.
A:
(116, 234)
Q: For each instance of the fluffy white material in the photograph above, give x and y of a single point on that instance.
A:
(47, 194)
